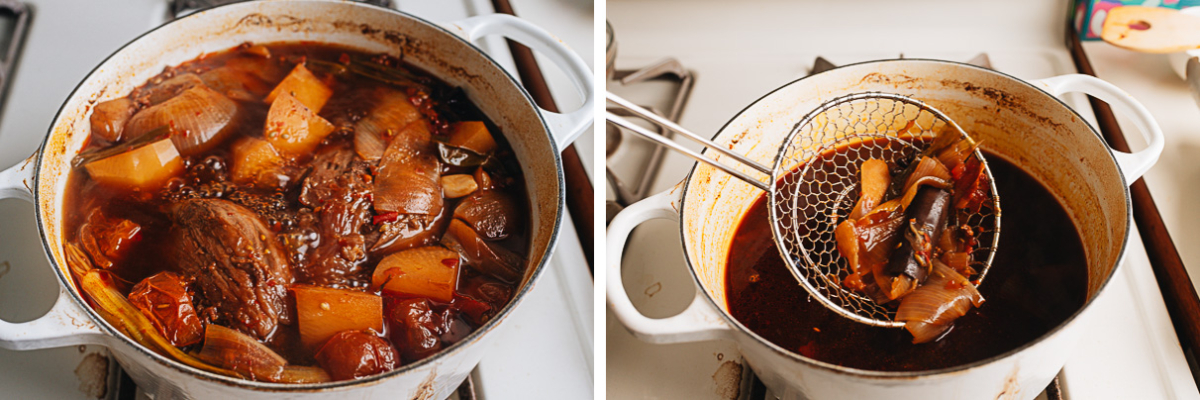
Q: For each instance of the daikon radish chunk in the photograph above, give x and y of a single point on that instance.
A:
(304, 86)
(325, 311)
(143, 168)
(472, 135)
(255, 162)
(430, 271)
(293, 128)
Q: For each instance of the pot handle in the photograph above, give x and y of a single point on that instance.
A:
(66, 324)
(565, 127)
(1133, 165)
(700, 321)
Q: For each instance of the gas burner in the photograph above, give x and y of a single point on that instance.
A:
(681, 81)
(179, 8)
(821, 64)
(14, 22)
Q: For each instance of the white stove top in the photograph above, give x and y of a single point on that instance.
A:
(551, 336)
(742, 50)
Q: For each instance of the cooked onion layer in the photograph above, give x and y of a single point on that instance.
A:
(930, 310)
(198, 118)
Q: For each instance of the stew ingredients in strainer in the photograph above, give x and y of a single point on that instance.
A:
(904, 242)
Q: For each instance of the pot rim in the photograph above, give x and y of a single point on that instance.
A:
(471, 338)
(830, 367)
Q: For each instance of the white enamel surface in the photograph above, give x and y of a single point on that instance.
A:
(340, 23)
(698, 322)
(1133, 165)
(1099, 205)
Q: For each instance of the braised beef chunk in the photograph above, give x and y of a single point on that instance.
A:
(339, 191)
(239, 268)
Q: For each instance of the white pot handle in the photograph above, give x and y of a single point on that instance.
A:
(700, 321)
(65, 324)
(1133, 165)
(567, 126)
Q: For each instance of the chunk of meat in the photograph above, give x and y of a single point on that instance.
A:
(164, 299)
(409, 174)
(491, 213)
(413, 327)
(481, 298)
(169, 88)
(354, 354)
(491, 259)
(237, 84)
(109, 117)
(339, 191)
(239, 268)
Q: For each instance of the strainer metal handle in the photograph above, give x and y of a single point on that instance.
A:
(671, 144)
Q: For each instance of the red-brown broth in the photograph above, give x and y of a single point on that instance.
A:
(348, 104)
(1038, 279)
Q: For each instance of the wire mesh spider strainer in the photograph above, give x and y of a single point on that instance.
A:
(815, 184)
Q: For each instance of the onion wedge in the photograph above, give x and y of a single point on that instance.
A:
(930, 310)
(875, 180)
(199, 118)
(239, 352)
(927, 166)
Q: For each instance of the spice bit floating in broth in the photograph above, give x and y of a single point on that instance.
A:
(296, 213)
(902, 242)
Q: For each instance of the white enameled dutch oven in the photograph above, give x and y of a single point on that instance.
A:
(444, 50)
(1020, 121)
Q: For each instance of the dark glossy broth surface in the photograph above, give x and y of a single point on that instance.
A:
(1038, 279)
